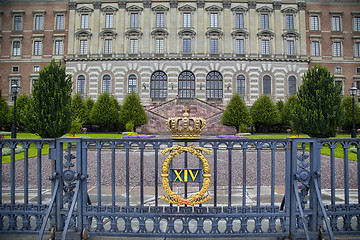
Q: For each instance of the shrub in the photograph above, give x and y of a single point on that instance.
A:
(264, 114)
(76, 126)
(133, 111)
(105, 112)
(78, 107)
(346, 105)
(4, 111)
(7, 151)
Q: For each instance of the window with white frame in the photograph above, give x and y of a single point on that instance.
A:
(106, 83)
(186, 45)
(83, 46)
(214, 46)
(264, 21)
(16, 51)
(60, 22)
(239, 20)
(292, 85)
(267, 84)
(37, 48)
(187, 20)
(314, 23)
(265, 47)
(337, 49)
(290, 49)
(39, 22)
(59, 46)
(214, 23)
(81, 84)
(132, 83)
(335, 23)
(134, 20)
(240, 46)
(289, 22)
(36, 68)
(159, 46)
(357, 49)
(240, 84)
(134, 46)
(160, 20)
(315, 48)
(356, 23)
(338, 70)
(84, 21)
(109, 20)
(108, 46)
(18, 19)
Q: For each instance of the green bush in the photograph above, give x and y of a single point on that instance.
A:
(264, 114)
(78, 107)
(4, 111)
(346, 105)
(132, 111)
(76, 126)
(105, 112)
(7, 151)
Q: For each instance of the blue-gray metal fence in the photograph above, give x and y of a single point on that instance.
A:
(258, 187)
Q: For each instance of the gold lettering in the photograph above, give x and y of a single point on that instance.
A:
(192, 175)
(178, 175)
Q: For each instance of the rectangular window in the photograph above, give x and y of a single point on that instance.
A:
(239, 20)
(17, 22)
(290, 47)
(289, 22)
(37, 48)
(159, 46)
(214, 20)
(109, 20)
(60, 20)
(160, 20)
(265, 47)
(84, 21)
(186, 45)
(314, 23)
(335, 22)
(356, 24)
(108, 46)
(15, 69)
(36, 68)
(240, 46)
(214, 46)
(16, 48)
(315, 48)
(83, 46)
(39, 22)
(59, 46)
(265, 21)
(338, 70)
(337, 49)
(133, 46)
(357, 49)
(134, 18)
(187, 20)
(106, 85)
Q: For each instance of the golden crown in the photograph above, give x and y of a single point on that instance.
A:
(185, 127)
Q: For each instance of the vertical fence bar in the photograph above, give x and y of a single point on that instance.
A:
(292, 198)
(141, 146)
(258, 174)
(12, 173)
(358, 174)
(288, 182)
(215, 148)
(39, 173)
(26, 173)
(315, 158)
(1, 183)
(185, 166)
(332, 172)
(156, 147)
(244, 148)
(272, 174)
(99, 145)
(59, 195)
(230, 173)
(85, 199)
(127, 149)
(346, 175)
(113, 146)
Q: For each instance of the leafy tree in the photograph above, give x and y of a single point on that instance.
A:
(318, 111)
(4, 111)
(78, 107)
(280, 105)
(89, 104)
(49, 113)
(236, 113)
(264, 114)
(133, 111)
(105, 112)
(22, 106)
(346, 105)
(76, 126)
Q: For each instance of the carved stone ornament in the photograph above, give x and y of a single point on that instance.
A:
(122, 4)
(174, 3)
(97, 5)
(147, 3)
(72, 5)
(200, 3)
(277, 5)
(227, 3)
(252, 4)
(302, 6)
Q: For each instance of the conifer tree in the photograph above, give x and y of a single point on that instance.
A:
(346, 105)
(236, 113)
(318, 110)
(264, 114)
(105, 112)
(89, 104)
(49, 113)
(22, 106)
(4, 111)
(78, 108)
(133, 111)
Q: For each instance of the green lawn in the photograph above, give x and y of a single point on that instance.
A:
(339, 152)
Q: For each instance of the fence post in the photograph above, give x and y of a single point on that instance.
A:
(59, 194)
(293, 167)
(315, 156)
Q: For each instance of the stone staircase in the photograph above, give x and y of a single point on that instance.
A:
(158, 114)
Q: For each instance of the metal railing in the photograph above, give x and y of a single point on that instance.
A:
(113, 187)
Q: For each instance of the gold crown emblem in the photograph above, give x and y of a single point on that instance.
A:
(185, 127)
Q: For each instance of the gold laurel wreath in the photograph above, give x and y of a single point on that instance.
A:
(176, 198)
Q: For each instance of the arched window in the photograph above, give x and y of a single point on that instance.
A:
(214, 85)
(240, 84)
(292, 85)
(158, 86)
(81, 84)
(106, 84)
(267, 84)
(132, 83)
(186, 84)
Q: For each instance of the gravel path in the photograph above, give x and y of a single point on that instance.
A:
(149, 169)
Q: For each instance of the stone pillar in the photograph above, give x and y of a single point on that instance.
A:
(227, 46)
(301, 46)
(147, 20)
(278, 26)
(96, 45)
(173, 40)
(253, 26)
(121, 42)
(72, 28)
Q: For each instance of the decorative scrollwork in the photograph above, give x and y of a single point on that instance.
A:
(175, 198)
(303, 176)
